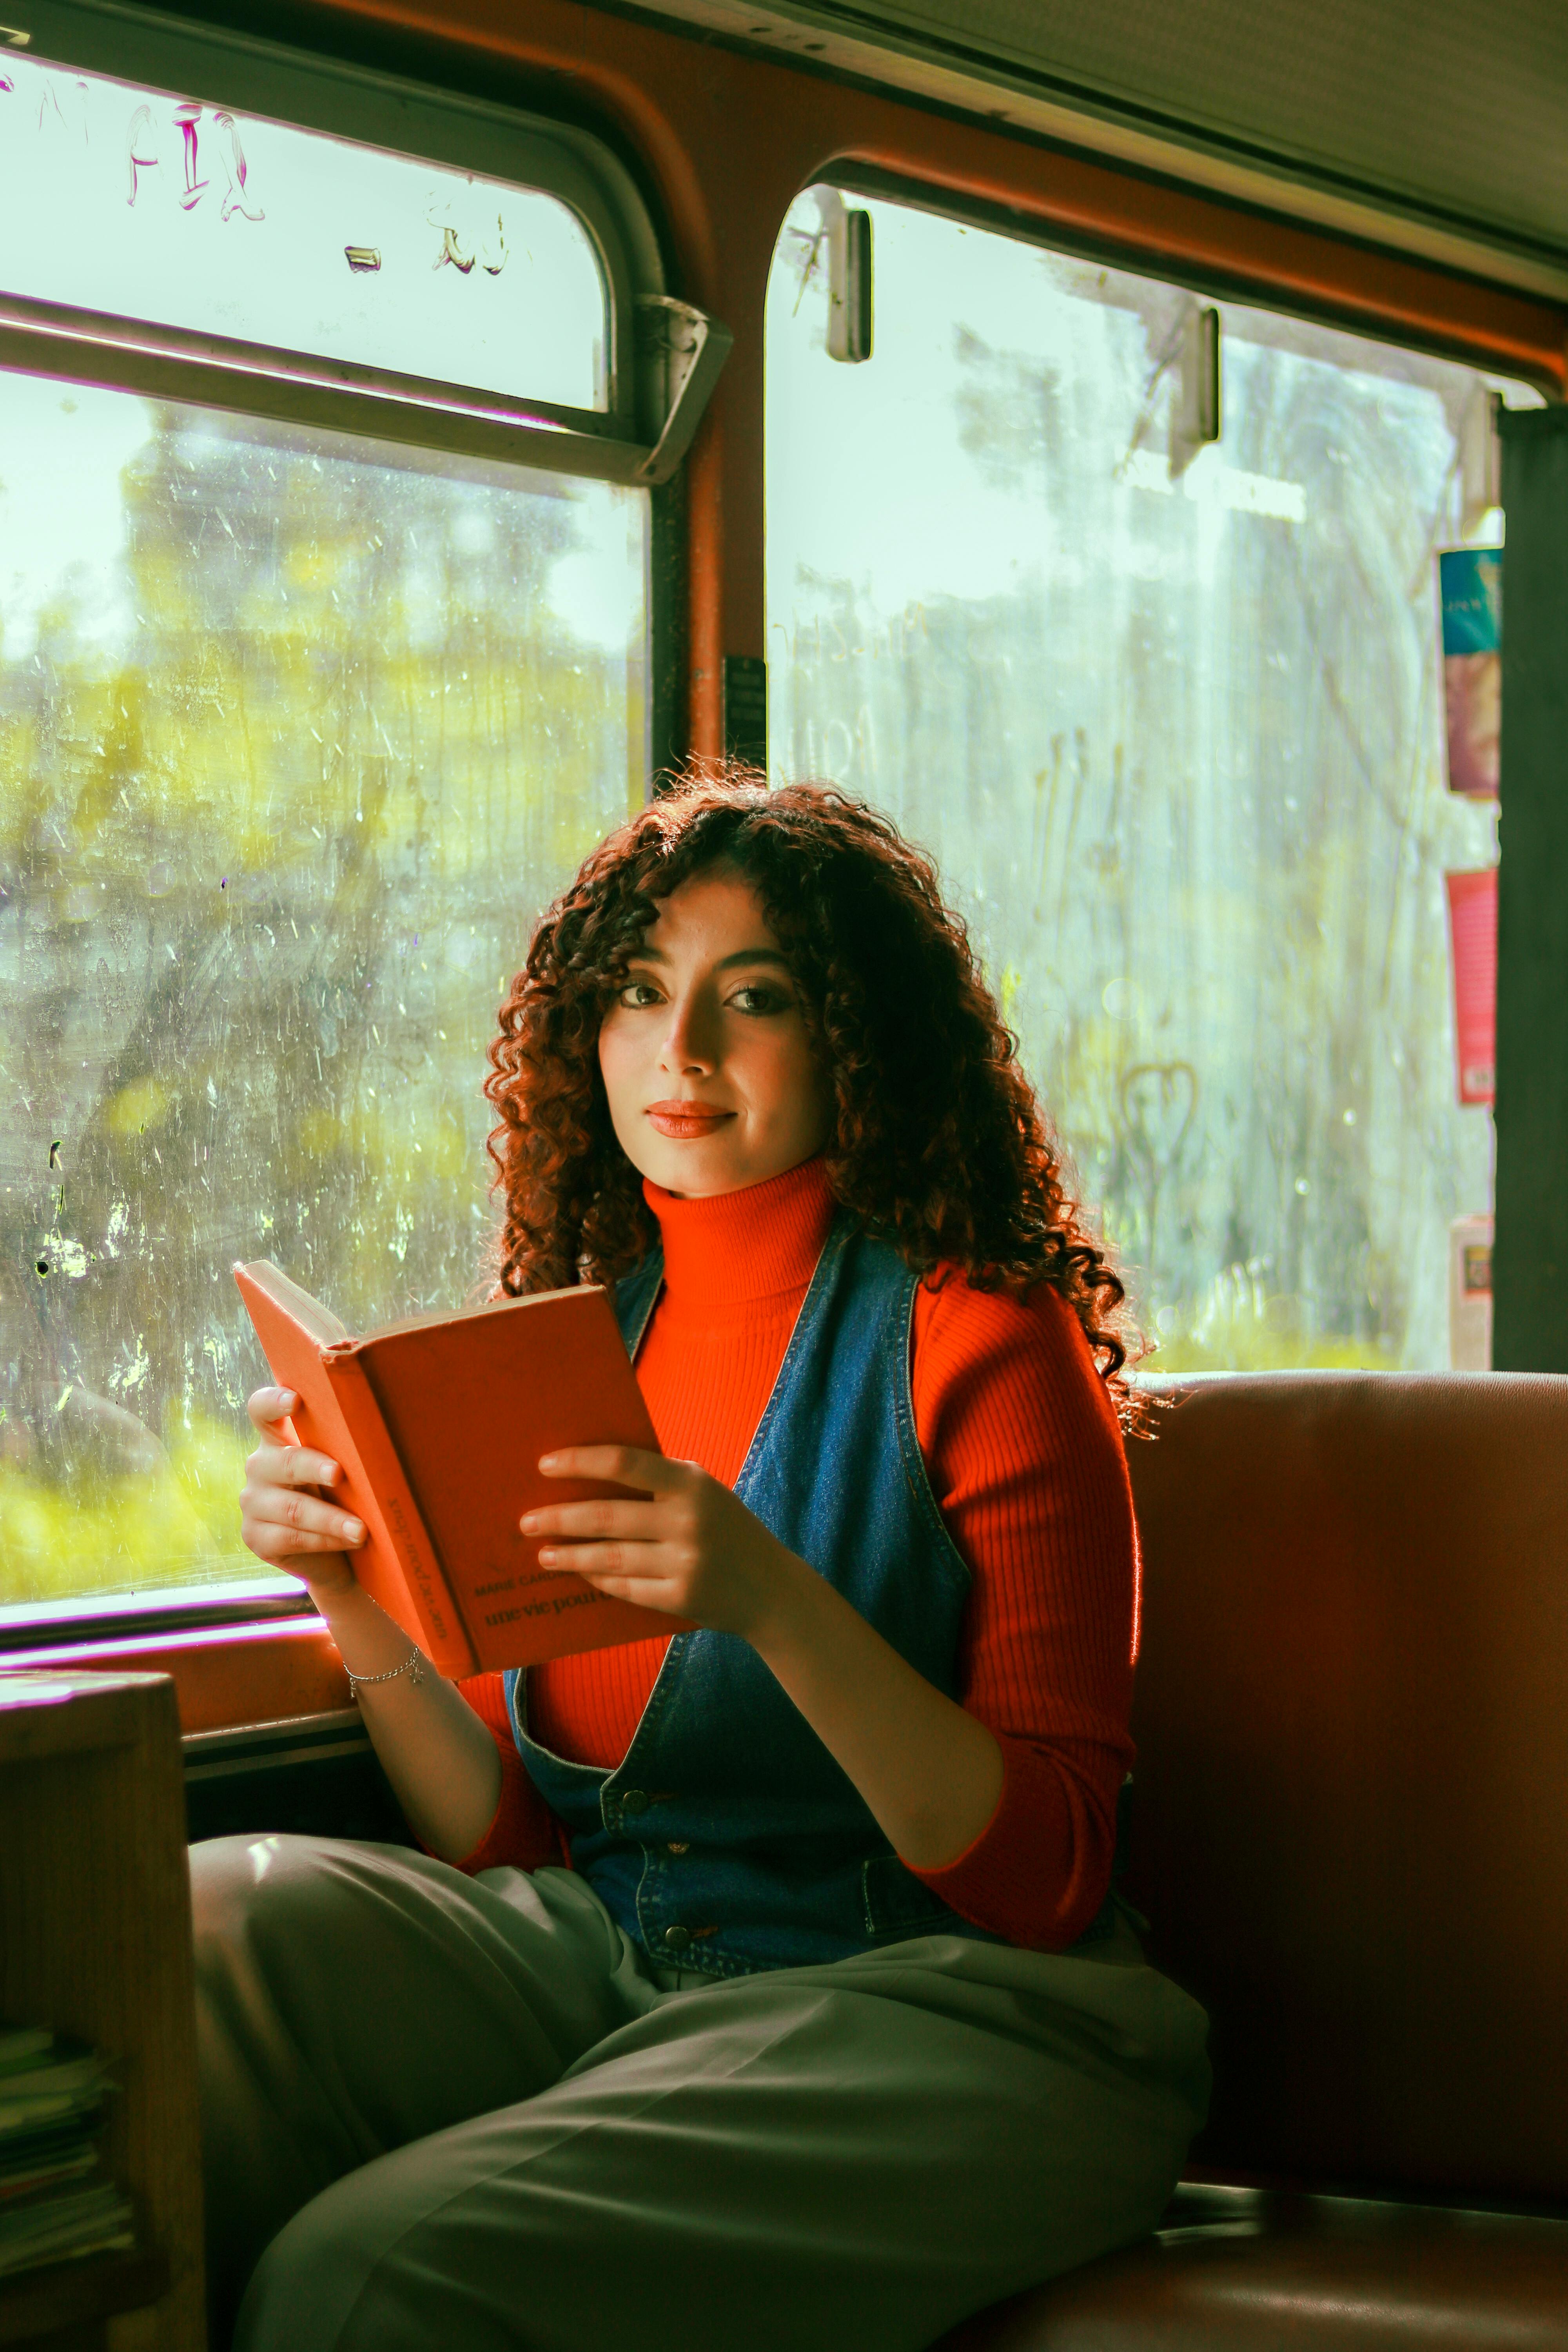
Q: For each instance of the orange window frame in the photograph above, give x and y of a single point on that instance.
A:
(724, 140)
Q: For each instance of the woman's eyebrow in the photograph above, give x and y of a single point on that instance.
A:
(741, 955)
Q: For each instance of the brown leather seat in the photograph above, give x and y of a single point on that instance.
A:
(1267, 2272)
(1349, 1830)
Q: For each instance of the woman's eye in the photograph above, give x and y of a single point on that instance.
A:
(639, 992)
(758, 1000)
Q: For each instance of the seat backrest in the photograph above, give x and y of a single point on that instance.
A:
(1350, 1814)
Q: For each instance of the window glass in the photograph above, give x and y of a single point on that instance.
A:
(153, 205)
(295, 737)
(1171, 718)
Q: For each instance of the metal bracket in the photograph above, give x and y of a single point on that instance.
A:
(681, 352)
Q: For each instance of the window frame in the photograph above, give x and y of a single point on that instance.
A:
(652, 403)
(1209, 276)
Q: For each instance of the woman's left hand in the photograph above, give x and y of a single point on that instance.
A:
(688, 1546)
(932, 1774)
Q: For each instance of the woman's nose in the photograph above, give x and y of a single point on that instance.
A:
(687, 1046)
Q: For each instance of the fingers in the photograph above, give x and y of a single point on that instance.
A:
(593, 1559)
(307, 1516)
(621, 1465)
(607, 1517)
(630, 1571)
(279, 1547)
(278, 1459)
(282, 1519)
(300, 1522)
(291, 1466)
(267, 1407)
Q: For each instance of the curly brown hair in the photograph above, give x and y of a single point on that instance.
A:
(938, 1143)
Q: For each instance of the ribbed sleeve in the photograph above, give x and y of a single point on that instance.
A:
(1026, 1460)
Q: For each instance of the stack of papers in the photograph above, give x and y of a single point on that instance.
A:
(55, 2202)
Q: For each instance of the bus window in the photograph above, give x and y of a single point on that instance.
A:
(1168, 709)
(185, 215)
(297, 730)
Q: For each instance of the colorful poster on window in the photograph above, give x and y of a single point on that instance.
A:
(1472, 927)
(1471, 587)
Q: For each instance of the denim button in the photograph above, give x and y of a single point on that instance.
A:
(676, 1939)
(633, 1802)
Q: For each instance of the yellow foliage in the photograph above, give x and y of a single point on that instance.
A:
(1248, 1346)
(1238, 1325)
(398, 1153)
(142, 1105)
(176, 1524)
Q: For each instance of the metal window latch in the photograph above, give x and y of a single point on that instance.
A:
(681, 352)
(850, 306)
(846, 234)
(1195, 400)
(1480, 459)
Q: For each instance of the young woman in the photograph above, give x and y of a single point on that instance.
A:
(761, 1986)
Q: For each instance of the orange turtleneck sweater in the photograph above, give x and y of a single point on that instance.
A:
(1024, 1458)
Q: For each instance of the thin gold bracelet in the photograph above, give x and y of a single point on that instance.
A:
(412, 1666)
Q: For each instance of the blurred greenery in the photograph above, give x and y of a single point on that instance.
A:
(285, 773)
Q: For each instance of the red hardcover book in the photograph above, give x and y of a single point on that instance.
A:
(439, 1423)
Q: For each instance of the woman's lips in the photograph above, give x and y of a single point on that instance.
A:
(686, 1121)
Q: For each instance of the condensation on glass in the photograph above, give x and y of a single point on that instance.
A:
(296, 737)
(136, 202)
(1170, 718)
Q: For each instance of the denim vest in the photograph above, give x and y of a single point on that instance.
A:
(729, 1840)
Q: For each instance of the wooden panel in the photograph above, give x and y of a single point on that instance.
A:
(51, 1727)
(69, 2302)
(95, 1940)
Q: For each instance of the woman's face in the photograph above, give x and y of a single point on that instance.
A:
(713, 1081)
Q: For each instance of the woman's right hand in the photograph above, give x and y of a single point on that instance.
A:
(443, 1766)
(286, 1522)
